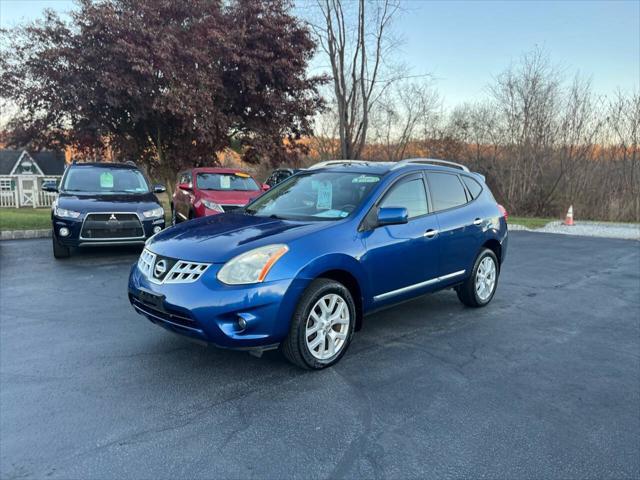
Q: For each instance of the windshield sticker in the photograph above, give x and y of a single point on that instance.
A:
(325, 194)
(106, 180)
(365, 179)
(331, 214)
(225, 181)
(243, 175)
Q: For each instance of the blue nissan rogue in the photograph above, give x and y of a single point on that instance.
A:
(301, 265)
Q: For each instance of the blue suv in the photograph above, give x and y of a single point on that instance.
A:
(301, 265)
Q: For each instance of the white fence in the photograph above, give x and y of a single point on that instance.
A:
(10, 199)
(45, 199)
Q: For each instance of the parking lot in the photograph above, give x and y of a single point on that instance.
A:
(543, 383)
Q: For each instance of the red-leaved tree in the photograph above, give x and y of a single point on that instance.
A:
(167, 82)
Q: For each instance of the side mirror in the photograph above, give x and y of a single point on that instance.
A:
(392, 216)
(159, 188)
(265, 187)
(49, 187)
(185, 186)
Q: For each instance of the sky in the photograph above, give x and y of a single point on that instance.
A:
(464, 44)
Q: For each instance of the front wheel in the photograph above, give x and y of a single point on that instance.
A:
(322, 326)
(59, 250)
(479, 288)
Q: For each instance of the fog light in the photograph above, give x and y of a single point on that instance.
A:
(157, 229)
(242, 323)
(64, 232)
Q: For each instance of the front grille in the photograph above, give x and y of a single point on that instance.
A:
(185, 272)
(231, 208)
(173, 271)
(146, 261)
(111, 226)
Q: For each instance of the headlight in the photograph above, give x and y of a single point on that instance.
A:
(64, 213)
(252, 266)
(212, 206)
(155, 213)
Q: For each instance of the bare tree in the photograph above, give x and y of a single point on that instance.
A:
(357, 48)
(402, 113)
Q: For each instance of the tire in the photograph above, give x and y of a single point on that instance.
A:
(297, 346)
(473, 295)
(59, 250)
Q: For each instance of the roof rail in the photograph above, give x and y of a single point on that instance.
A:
(328, 163)
(433, 161)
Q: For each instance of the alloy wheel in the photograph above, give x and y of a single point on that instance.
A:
(485, 278)
(327, 326)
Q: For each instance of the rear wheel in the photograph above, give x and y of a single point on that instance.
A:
(479, 288)
(59, 250)
(322, 326)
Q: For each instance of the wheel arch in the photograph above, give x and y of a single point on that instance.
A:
(351, 283)
(495, 246)
(346, 270)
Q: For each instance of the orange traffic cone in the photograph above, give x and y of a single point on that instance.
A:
(569, 219)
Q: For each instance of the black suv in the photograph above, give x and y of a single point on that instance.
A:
(103, 204)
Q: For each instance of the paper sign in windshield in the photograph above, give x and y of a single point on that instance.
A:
(106, 180)
(225, 181)
(365, 179)
(325, 194)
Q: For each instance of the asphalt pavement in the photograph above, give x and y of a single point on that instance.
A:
(542, 383)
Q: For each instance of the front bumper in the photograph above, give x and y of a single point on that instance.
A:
(209, 310)
(74, 238)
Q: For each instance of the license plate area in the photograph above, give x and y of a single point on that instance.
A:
(152, 299)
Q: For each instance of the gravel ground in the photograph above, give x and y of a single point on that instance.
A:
(626, 231)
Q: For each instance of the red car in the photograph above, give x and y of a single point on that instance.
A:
(209, 191)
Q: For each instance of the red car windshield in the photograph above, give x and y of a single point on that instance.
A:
(226, 182)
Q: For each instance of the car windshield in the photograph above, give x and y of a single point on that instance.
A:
(105, 180)
(226, 181)
(315, 196)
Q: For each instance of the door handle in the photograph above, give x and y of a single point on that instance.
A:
(431, 233)
(477, 221)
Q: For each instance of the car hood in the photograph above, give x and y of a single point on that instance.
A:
(108, 203)
(229, 197)
(218, 238)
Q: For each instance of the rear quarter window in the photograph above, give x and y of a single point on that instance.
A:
(446, 191)
(473, 186)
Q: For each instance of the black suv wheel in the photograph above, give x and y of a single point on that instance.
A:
(59, 250)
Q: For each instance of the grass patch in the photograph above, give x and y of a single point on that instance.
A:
(25, 218)
(530, 222)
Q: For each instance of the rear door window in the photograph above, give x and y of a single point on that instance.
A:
(446, 191)
(409, 194)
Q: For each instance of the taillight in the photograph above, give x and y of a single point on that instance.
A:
(503, 211)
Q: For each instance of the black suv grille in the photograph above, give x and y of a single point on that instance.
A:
(111, 226)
